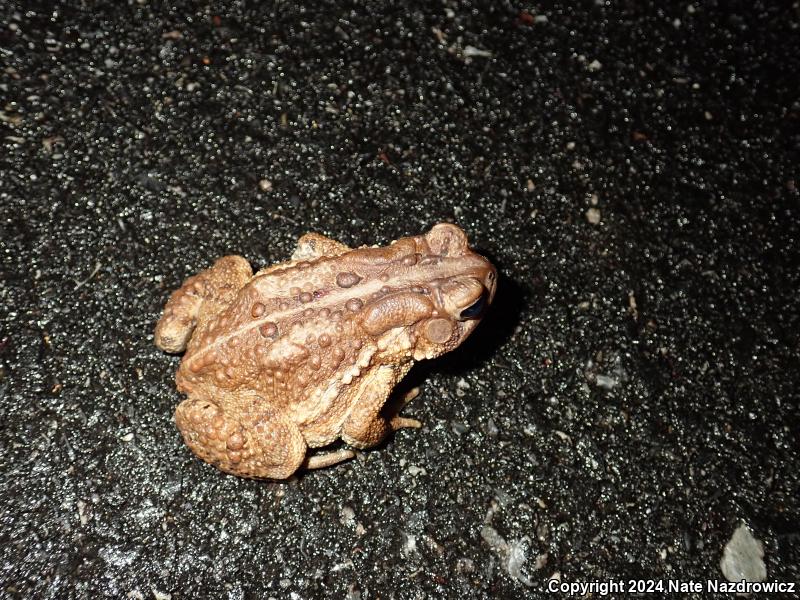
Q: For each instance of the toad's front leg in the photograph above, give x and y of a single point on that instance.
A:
(365, 426)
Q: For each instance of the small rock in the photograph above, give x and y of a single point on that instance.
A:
(593, 215)
(465, 565)
(83, 515)
(473, 51)
(347, 515)
(493, 539)
(743, 557)
(606, 382)
(563, 436)
(459, 428)
(517, 557)
(409, 544)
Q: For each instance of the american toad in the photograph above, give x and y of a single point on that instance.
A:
(307, 351)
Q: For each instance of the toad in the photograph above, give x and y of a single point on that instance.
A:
(307, 352)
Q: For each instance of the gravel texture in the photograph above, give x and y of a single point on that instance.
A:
(631, 399)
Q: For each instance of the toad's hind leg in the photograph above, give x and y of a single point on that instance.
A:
(259, 442)
(200, 296)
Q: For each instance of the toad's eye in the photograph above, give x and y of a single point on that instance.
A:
(475, 309)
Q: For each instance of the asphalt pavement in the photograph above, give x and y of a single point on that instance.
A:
(630, 400)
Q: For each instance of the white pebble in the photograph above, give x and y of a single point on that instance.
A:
(743, 557)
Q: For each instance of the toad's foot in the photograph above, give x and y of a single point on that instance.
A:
(208, 291)
(320, 461)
